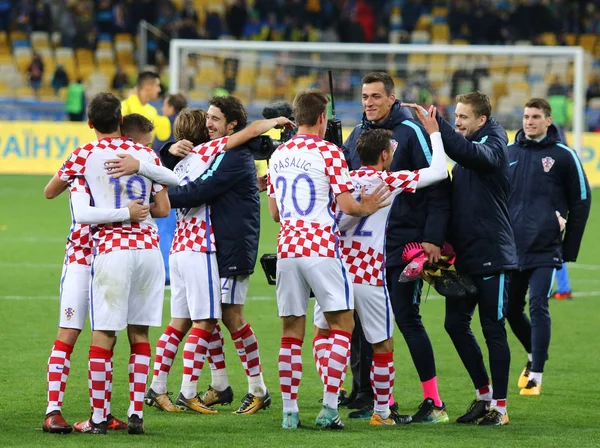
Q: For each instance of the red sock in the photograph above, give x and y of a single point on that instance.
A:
(99, 380)
(139, 365)
(290, 372)
(247, 349)
(59, 366)
(194, 355)
(382, 380)
(215, 356)
(320, 343)
(335, 365)
(166, 349)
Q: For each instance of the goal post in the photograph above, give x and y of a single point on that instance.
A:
(324, 55)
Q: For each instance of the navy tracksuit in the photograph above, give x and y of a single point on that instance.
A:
(546, 177)
(482, 237)
(419, 217)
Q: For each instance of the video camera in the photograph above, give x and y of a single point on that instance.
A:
(268, 144)
(333, 133)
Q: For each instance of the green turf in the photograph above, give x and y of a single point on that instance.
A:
(32, 233)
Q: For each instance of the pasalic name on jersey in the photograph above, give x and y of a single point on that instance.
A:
(293, 162)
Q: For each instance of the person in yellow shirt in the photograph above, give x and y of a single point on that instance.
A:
(147, 89)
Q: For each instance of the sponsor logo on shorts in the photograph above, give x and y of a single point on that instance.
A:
(69, 313)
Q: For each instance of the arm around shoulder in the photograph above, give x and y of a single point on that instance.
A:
(161, 207)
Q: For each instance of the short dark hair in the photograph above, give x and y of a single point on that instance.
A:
(541, 104)
(104, 113)
(372, 143)
(232, 108)
(143, 77)
(135, 125)
(178, 101)
(308, 106)
(190, 124)
(388, 82)
(480, 103)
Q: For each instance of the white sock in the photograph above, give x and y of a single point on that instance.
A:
(383, 412)
(219, 380)
(537, 377)
(256, 385)
(485, 397)
(188, 390)
(290, 405)
(501, 409)
(529, 357)
(160, 387)
(330, 399)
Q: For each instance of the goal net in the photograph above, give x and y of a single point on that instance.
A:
(263, 72)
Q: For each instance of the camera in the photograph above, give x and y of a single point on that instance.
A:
(268, 144)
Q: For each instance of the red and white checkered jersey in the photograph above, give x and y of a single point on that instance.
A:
(362, 240)
(79, 242)
(194, 229)
(306, 174)
(88, 161)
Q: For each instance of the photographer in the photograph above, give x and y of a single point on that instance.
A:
(421, 217)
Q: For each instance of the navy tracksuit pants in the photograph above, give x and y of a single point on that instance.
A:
(491, 298)
(533, 332)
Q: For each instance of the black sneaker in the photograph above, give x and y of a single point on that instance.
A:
(399, 418)
(362, 400)
(494, 418)
(362, 414)
(477, 409)
(90, 427)
(135, 425)
(430, 413)
(213, 396)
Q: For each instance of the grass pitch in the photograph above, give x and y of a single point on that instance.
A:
(32, 236)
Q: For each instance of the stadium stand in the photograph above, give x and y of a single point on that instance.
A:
(90, 39)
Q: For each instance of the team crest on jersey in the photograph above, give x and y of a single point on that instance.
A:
(69, 313)
(547, 163)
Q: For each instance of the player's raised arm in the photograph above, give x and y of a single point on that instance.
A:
(255, 129)
(437, 171)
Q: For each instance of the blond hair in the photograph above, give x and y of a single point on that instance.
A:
(190, 125)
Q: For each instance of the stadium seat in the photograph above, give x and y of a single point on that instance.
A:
(39, 39)
(420, 37)
(22, 58)
(570, 39)
(587, 41)
(104, 55)
(417, 61)
(440, 32)
(439, 11)
(549, 39)
(105, 45)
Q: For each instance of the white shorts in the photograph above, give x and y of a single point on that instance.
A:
(234, 289)
(195, 286)
(374, 310)
(74, 295)
(326, 277)
(128, 288)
